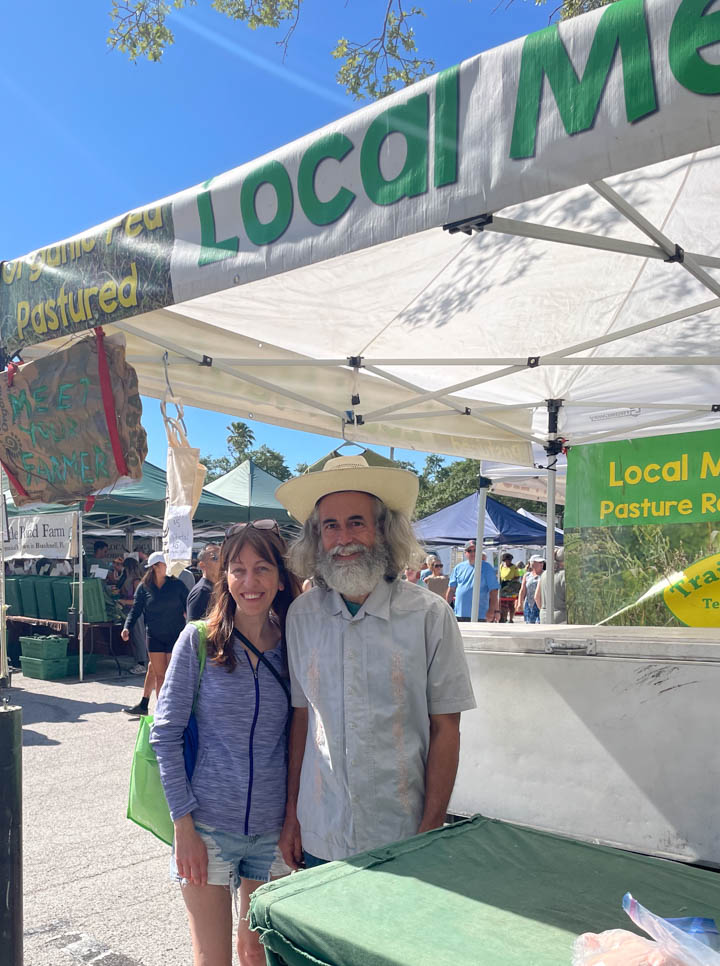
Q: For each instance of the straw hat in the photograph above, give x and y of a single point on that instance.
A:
(398, 489)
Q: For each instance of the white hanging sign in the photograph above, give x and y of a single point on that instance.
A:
(43, 535)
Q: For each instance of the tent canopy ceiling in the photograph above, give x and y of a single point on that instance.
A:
(317, 289)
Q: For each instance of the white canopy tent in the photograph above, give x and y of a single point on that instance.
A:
(576, 173)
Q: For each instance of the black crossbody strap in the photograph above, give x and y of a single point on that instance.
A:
(261, 657)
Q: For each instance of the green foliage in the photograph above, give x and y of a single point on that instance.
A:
(377, 67)
(369, 69)
(611, 568)
(573, 8)
(240, 442)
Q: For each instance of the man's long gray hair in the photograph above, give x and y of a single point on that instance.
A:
(392, 527)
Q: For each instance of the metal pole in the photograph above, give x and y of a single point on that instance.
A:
(483, 487)
(81, 615)
(552, 448)
(11, 907)
(4, 665)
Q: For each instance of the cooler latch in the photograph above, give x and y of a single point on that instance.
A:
(567, 647)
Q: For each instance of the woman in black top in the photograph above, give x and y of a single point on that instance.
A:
(162, 602)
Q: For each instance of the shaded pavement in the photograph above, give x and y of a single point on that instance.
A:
(96, 886)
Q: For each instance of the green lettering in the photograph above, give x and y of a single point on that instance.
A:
(691, 30)
(410, 120)
(69, 464)
(26, 460)
(544, 54)
(62, 401)
(57, 469)
(318, 212)
(20, 403)
(84, 469)
(40, 396)
(680, 589)
(86, 383)
(446, 127)
(212, 250)
(274, 174)
(100, 463)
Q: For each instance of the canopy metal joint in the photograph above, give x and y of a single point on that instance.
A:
(355, 399)
(715, 408)
(533, 362)
(206, 361)
(679, 255)
(355, 362)
(468, 225)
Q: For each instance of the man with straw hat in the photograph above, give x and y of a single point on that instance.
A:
(377, 668)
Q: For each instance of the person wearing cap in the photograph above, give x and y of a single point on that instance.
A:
(377, 668)
(460, 588)
(162, 601)
(526, 598)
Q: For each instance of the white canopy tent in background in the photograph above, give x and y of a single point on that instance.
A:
(317, 289)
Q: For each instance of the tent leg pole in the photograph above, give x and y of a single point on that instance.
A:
(552, 448)
(483, 487)
(80, 596)
(11, 866)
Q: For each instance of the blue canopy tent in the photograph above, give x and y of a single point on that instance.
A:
(503, 527)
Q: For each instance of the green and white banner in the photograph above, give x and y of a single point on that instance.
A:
(617, 89)
(642, 531)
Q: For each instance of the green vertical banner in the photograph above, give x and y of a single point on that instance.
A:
(642, 531)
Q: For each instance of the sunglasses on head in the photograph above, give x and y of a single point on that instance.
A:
(256, 524)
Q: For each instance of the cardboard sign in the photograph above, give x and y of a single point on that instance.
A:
(70, 423)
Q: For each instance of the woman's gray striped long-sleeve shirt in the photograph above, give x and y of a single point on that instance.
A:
(240, 779)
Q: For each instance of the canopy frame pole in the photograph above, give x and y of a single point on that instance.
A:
(663, 421)
(582, 239)
(439, 393)
(451, 404)
(483, 485)
(553, 448)
(229, 371)
(81, 602)
(674, 252)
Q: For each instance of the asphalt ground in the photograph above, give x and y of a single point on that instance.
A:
(96, 886)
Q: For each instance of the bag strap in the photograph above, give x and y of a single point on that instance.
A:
(201, 628)
(261, 657)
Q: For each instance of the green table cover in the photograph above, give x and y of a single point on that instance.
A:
(480, 892)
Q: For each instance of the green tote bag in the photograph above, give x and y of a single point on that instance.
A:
(147, 805)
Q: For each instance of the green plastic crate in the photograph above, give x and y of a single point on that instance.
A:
(62, 596)
(12, 596)
(73, 664)
(28, 600)
(46, 648)
(93, 600)
(44, 597)
(34, 667)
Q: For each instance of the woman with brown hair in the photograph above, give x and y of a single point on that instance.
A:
(228, 817)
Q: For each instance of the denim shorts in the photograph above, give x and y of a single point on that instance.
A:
(232, 857)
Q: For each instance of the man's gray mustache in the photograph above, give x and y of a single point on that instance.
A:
(347, 550)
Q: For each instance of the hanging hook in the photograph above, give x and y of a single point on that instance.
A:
(166, 360)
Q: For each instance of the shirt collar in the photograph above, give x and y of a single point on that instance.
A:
(377, 604)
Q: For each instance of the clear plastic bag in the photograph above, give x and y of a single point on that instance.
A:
(686, 947)
(670, 945)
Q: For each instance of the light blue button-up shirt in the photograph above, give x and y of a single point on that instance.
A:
(369, 683)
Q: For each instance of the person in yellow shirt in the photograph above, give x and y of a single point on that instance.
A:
(510, 579)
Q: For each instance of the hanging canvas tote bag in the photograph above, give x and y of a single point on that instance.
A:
(185, 478)
(147, 805)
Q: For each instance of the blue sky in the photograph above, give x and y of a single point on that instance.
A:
(88, 136)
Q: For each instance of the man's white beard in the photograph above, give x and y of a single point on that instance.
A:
(355, 578)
